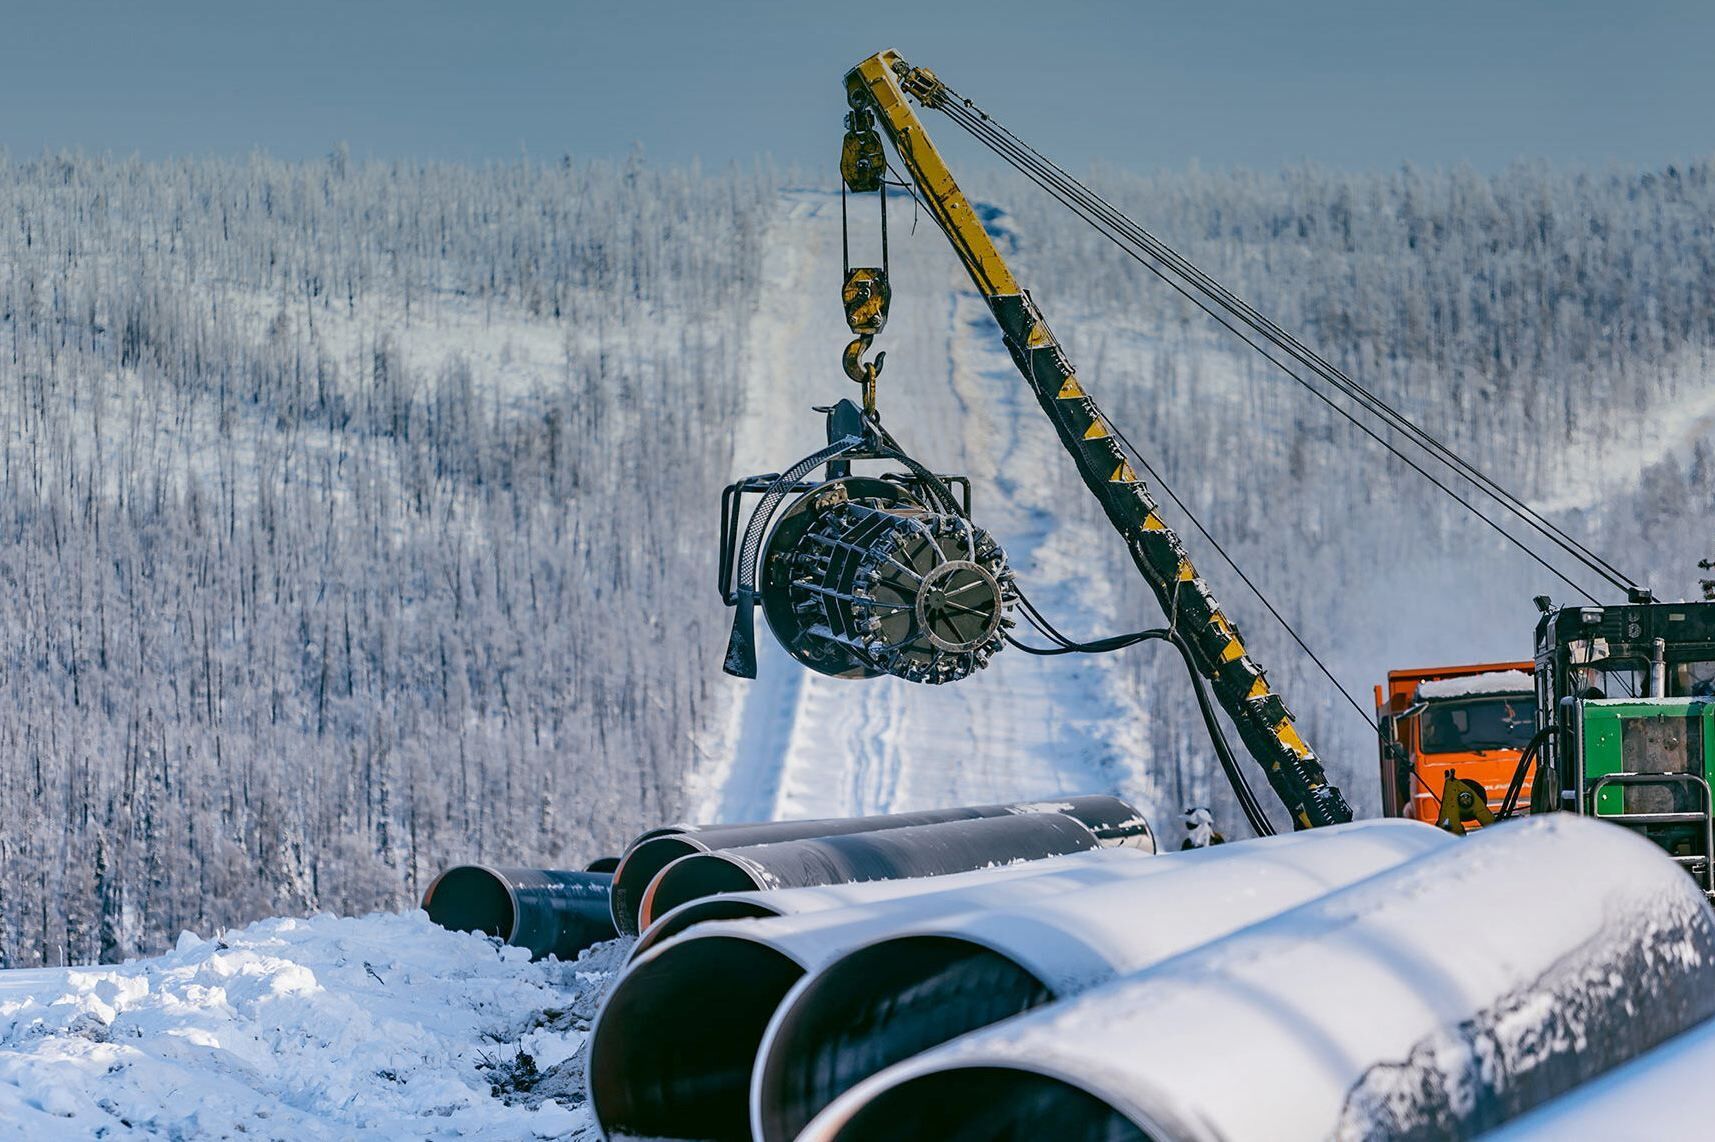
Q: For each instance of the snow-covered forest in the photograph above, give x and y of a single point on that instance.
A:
(358, 518)
(351, 526)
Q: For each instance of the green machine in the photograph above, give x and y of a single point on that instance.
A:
(1626, 717)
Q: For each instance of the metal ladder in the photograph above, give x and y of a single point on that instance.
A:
(1699, 865)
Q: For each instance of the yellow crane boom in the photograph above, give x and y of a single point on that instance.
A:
(878, 90)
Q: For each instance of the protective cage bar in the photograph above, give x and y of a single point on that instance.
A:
(733, 515)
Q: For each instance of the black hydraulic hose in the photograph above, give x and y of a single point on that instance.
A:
(1248, 803)
(1253, 810)
(1247, 799)
(1509, 803)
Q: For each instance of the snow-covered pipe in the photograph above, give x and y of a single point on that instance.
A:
(550, 911)
(1663, 1093)
(1436, 1000)
(671, 1049)
(888, 854)
(821, 897)
(884, 1000)
(1111, 819)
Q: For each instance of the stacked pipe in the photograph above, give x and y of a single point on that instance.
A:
(560, 912)
(750, 856)
(1438, 999)
(757, 905)
(978, 949)
(922, 983)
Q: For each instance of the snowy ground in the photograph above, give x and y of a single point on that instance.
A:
(380, 1027)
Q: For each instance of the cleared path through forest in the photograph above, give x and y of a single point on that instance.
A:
(804, 745)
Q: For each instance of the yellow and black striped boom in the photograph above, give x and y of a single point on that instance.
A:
(881, 84)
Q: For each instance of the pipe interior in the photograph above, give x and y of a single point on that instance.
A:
(713, 908)
(637, 868)
(672, 1052)
(988, 1104)
(878, 1006)
(471, 899)
(693, 879)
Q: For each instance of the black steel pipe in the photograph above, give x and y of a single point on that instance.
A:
(552, 912)
(986, 1104)
(853, 858)
(1113, 821)
(670, 1054)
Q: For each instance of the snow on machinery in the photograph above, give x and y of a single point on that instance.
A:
(1614, 718)
(1626, 713)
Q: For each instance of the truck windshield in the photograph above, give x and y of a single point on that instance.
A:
(1477, 723)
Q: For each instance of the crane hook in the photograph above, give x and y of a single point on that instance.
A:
(866, 295)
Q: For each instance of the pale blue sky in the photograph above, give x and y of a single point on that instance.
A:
(1144, 85)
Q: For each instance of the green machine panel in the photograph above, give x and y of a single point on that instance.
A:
(1657, 736)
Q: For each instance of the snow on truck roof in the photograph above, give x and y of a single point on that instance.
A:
(1471, 685)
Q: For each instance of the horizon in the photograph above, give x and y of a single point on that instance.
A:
(1235, 85)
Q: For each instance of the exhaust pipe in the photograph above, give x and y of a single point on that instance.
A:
(549, 911)
(889, 854)
(671, 1050)
(1111, 819)
(798, 901)
(1435, 1000)
(923, 984)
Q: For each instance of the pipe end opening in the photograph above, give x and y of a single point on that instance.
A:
(471, 898)
(671, 1053)
(877, 1006)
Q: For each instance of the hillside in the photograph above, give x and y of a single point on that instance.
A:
(357, 519)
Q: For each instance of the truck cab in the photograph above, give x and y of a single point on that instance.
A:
(1629, 694)
(1468, 722)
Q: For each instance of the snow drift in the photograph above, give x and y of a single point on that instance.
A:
(381, 1027)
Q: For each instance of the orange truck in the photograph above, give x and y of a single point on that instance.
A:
(1451, 737)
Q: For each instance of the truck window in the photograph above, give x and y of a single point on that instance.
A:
(1477, 723)
(1612, 678)
(1691, 680)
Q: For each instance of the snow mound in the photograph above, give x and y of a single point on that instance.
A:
(381, 1027)
(1471, 685)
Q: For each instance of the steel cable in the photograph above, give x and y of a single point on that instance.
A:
(1072, 194)
(996, 136)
